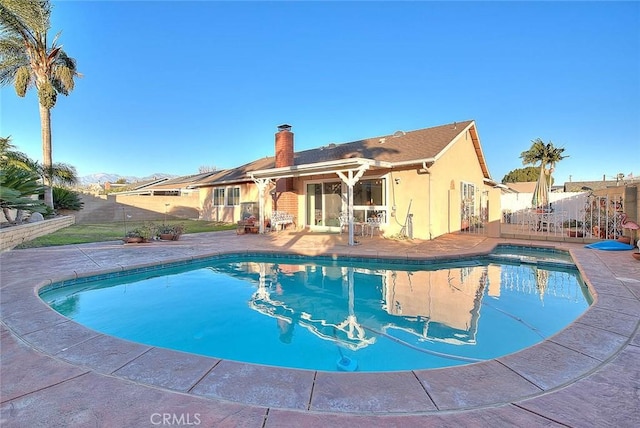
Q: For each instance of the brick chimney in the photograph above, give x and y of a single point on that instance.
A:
(284, 156)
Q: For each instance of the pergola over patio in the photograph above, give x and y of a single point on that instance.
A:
(348, 170)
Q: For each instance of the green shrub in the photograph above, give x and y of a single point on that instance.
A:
(65, 199)
(173, 229)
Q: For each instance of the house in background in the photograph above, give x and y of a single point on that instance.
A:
(422, 183)
(582, 186)
(520, 187)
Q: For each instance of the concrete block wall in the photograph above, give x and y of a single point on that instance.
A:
(12, 236)
(113, 208)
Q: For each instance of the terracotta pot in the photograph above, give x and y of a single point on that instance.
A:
(624, 239)
(167, 236)
(636, 256)
(133, 240)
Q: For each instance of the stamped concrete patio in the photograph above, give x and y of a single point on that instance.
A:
(55, 372)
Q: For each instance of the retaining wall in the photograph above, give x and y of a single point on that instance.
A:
(16, 235)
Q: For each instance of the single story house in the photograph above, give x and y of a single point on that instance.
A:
(420, 184)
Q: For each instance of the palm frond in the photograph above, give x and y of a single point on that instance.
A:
(28, 18)
(546, 154)
(6, 145)
(17, 189)
(64, 71)
(10, 157)
(64, 174)
(12, 57)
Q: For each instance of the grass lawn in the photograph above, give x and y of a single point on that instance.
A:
(84, 233)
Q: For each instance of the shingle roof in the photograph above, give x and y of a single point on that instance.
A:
(398, 147)
(523, 186)
(179, 182)
(143, 184)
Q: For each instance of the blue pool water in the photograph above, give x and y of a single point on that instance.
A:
(335, 315)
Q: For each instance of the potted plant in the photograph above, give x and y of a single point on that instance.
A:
(169, 232)
(133, 236)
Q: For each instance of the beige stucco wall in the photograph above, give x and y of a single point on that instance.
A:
(495, 212)
(404, 188)
(435, 195)
(458, 164)
(230, 214)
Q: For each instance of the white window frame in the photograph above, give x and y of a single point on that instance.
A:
(231, 200)
(367, 210)
(219, 196)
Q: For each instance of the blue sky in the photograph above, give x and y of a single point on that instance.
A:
(172, 86)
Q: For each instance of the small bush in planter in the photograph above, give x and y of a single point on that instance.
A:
(134, 235)
(170, 231)
(144, 232)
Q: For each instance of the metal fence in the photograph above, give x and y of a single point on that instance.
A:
(577, 215)
(474, 214)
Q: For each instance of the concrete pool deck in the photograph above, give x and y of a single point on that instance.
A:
(54, 372)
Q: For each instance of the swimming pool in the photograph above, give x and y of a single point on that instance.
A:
(335, 314)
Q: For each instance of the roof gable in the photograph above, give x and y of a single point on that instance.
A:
(395, 148)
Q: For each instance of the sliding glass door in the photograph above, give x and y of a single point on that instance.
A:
(324, 202)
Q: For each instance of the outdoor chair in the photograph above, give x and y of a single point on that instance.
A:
(374, 223)
(344, 221)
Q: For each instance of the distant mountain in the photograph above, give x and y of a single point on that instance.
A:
(103, 177)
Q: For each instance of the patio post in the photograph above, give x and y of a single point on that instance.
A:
(350, 211)
(350, 181)
(262, 186)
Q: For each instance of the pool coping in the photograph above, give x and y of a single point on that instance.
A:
(579, 352)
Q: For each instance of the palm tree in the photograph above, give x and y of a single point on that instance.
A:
(546, 154)
(26, 60)
(20, 168)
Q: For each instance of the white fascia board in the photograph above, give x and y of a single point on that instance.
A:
(413, 162)
(317, 168)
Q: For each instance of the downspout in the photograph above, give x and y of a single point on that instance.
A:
(426, 168)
